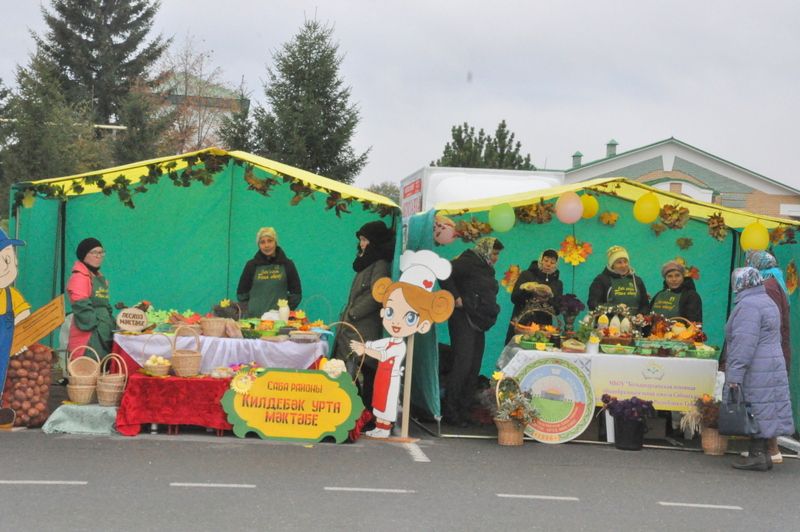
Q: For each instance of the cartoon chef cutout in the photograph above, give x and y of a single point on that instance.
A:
(409, 306)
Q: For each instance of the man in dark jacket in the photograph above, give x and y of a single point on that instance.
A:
(537, 293)
(474, 289)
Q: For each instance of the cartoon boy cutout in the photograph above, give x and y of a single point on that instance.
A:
(13, 307)
(409, 306)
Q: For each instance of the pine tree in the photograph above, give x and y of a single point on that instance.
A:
(309, 121)
(467, 150)
(101, 50)
(45, 135)
(236, 130)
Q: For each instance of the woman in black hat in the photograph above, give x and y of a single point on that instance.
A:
(374, 254)
(92, 320)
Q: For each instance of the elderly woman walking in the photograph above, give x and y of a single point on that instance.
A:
(755, 363)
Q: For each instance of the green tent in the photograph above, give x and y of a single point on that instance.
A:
(178, 230)
(713, 259)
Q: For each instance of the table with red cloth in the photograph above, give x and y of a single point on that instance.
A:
(172, 401)
(175, 401)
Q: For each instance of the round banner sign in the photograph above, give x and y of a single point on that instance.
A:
(563, 397)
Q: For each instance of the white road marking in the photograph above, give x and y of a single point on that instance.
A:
(541, 497)
(209, 485)
(47, 482)
(369, 490)
(694, 505)
(416, 453)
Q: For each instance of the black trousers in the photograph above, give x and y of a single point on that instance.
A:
(461, 383)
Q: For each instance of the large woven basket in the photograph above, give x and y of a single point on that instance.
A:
(213, 327)
(508, 432)
(712, 442)
(83, 395)
(187, 362)
(110, 386)
(83, 370)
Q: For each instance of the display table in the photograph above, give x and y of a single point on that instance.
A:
(224, 352)
(671, 383)
(175, 401)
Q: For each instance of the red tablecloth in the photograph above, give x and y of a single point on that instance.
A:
(172, 401)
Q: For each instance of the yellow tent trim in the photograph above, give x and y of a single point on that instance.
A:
(134, 171)
(623, 188)
(313, 180)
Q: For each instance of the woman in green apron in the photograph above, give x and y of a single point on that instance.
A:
(679, 298)
(92, 319)
(268, 277)
(618, 284)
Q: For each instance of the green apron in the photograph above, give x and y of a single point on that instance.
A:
(269, 285)
(667, 303)
(623, 290)
(94, 314)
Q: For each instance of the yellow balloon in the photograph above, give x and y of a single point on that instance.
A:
(754, 236)
(646, 208)
(590, 205)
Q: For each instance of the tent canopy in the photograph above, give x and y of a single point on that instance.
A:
(622, 188)
(178, 230)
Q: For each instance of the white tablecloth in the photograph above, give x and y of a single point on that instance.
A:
(671, 383)
(223, 352)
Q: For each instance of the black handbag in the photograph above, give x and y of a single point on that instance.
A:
(735, 416)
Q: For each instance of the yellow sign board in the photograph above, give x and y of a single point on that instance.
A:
(671, 383)
(38, 325)
(284, 404)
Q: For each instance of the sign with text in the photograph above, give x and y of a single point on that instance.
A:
(671, 383)
(284, 404)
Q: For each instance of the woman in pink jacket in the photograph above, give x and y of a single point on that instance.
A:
(92, 321)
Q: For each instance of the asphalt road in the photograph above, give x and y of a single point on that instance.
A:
(200, 482)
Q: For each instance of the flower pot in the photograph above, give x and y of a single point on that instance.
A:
(629, 434)
(509, 433)
(712, 442)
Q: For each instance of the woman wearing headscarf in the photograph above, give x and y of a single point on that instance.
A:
(268, 277)
(537, 293)
(92, 319)
(374, 254)
(754, 363)
(775, 286)
(678, 298)
(474, 289)
(618, 284)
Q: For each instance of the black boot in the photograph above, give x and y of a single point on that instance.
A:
(757, 458)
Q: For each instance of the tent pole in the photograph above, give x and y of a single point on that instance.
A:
(407, 386)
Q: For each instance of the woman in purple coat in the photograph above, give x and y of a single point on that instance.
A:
(755, 363)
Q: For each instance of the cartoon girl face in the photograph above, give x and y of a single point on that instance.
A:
(399, 319)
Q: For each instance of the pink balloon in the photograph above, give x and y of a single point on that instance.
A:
(569, 208)
(444, 230)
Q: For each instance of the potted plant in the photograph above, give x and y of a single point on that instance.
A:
(630, 420)
(703, 418)
(514, 410)
(571, 306)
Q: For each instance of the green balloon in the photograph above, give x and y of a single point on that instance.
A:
(502, 218)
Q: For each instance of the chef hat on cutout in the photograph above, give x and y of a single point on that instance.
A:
(423, 268)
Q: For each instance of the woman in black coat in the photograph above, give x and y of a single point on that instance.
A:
(537, 293)
(679, 298)
(474, 289)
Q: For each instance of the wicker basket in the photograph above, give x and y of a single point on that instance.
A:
(509, 433)
(157, 370)
(213, 327)
(186, 362)
(110, 386)
(83, 395)
(83, 370)
(712, 442)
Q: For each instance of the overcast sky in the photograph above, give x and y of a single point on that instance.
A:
(723, 76)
